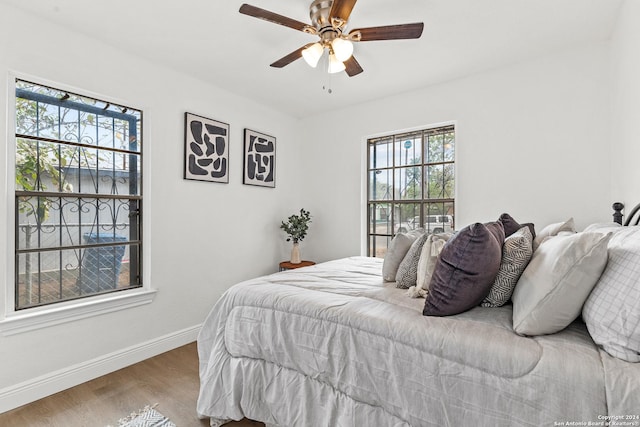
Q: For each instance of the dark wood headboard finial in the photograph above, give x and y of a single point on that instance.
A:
(617, 212)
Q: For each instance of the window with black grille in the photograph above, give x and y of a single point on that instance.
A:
(78, 196)
(410, 185)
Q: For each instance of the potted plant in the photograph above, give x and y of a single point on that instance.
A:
(296, 227)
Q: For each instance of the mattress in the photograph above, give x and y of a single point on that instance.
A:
(334, 345)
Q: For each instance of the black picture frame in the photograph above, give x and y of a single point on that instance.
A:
(206, 149)
(259, 159)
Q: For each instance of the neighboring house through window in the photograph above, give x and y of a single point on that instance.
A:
(78, 196)
(411, 184)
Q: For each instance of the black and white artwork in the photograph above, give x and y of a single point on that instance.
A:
(206, 149)
(259, 159)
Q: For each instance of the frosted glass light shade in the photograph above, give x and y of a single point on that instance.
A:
(342, 48)
(312, 54)
(335, 65)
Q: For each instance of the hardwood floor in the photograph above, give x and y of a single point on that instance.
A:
(169, 379)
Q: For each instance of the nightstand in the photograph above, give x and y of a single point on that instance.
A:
(286, 265)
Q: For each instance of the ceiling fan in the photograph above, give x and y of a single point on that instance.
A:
(329, 19)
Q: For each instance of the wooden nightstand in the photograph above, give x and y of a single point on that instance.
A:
(286, 265)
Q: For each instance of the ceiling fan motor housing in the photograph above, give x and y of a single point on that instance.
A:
(319, 12)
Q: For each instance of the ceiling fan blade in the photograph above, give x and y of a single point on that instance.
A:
(286, 60)
(391, 32)
(353, 68)
(342, 9)
(256, 12)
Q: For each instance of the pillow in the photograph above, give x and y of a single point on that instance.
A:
(604, 227)
(612, 311)
(408, 269)
(465, 270)
(511, 225)
(428, 258)
(396, 252)
(553, 230)
(516, 254)
(557, 281)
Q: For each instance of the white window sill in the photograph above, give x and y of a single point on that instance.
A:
(43, 317)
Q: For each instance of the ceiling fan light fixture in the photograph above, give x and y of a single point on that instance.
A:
(342, 48)
(312, 54)
(335, 65)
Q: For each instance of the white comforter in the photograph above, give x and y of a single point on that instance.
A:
(332, 345)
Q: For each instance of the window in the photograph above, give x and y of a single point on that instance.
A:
(78, 196)
(411, 184)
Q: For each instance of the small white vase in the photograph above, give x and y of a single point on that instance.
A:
(295, 254)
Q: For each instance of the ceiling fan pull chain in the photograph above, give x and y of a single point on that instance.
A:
(327, 86)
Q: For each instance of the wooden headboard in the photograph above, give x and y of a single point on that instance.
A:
(617, 214)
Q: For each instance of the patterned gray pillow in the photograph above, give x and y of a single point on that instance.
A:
(407, 274)
(516, 254)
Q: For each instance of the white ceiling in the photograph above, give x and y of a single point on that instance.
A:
(210, 40)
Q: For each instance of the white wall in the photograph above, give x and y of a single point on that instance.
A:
(626, 105)
(532, 140)
(202, 237)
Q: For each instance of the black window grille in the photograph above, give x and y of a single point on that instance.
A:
(410, 185)
(78, 197)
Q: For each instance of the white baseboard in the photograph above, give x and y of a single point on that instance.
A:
(54, 382)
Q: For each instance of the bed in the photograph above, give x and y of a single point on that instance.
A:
(335, 345)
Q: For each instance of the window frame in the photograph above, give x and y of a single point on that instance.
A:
(393, 167)
(12, 320)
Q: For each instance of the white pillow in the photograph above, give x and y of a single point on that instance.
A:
(604, 227)
(516, 254)
(396, 252)
(612, 311)
(428, 259)
(557, 281)
(553, 230)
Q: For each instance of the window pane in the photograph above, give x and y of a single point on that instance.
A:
(378, 246)
(381, 154)
(37, 165)
(54, 276)
(26, 117)
(434, 182)
(69, 125)
(449, 147)
(439, 217)
(88, 128)
(406, 217)
(408, 150)
(380, 218)
(408, 183)
(380, 184)
(440, 181)
(449, 181)
(46, 277)
(435, 149)
(48, 121)
(48, 222)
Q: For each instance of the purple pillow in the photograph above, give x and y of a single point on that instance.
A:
(466, 269)
(511, 225)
